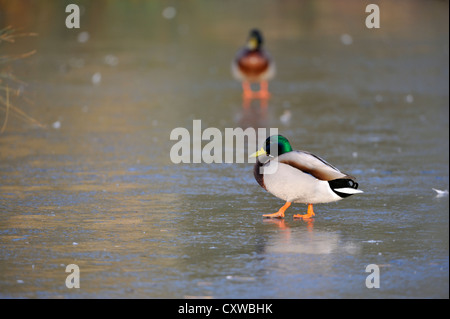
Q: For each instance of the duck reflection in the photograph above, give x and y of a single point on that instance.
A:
(281, 223)
(254, 113)
(293, 238)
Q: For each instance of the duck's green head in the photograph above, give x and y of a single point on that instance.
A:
(255, 40)
(275, 145)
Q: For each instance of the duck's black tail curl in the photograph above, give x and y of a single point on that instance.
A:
(344, 187)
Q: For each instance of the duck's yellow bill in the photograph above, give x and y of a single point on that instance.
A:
(262, 151)
(252, 43)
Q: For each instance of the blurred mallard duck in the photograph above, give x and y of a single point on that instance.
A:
(299, 177)
(252, 64)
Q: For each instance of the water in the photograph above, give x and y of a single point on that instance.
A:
(96, 188)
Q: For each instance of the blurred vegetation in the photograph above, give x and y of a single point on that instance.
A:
(10, 85)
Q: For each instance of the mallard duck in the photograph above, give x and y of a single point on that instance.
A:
(252, 64)
(299, 177)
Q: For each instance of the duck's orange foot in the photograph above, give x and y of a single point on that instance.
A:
(249, 95)
(262, 94)
(247, 92)
(305, 216)
(279, 213)
(309, 214)
(263, 90)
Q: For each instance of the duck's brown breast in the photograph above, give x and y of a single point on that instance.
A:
(258, 176)
(253, 64)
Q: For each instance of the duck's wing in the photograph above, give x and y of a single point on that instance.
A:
(311, 164)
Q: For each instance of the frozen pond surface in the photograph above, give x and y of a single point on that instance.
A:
(97, 187)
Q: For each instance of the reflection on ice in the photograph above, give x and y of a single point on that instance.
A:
(300, 241)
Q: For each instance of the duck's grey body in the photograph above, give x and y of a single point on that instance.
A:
(301, 177)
